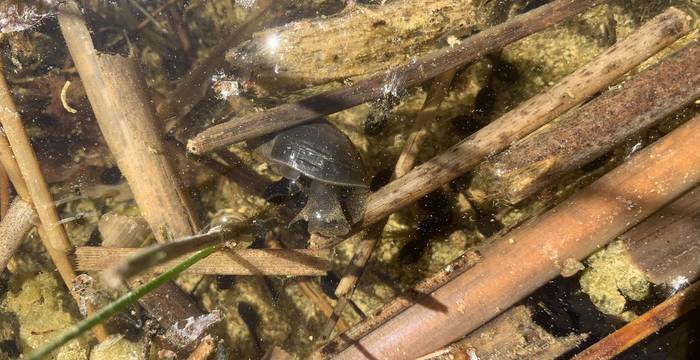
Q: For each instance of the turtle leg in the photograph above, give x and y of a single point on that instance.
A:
(323, 211)
(353, 200)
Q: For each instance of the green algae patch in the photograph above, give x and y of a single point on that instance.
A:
(42, 314)
(611, 279)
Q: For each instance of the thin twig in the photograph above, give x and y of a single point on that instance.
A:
(579, 137)
(118, 305)
(425, 117)
(408, 75)
(648, 323)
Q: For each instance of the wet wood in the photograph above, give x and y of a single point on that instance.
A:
(527, 257)
(666, 246)
(14, 227)
(401, 77)
(267, 262)
(122, 230)
(647, 324)
(527, 117)
(357, 42)
(125, 115)
(513, 335)
(588, 132)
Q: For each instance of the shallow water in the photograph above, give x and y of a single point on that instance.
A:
(203, 63)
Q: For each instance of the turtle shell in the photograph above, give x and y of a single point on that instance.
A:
(318, 150)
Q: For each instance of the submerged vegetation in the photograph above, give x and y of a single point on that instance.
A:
(137, 123)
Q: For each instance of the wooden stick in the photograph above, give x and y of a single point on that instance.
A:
(408, 75)
(14, 227)
(4, 192)
(648, 323)
(185, 94)
(119, 99)
(585, 134)
(267, 262)
(22, 167)
(532, 254)
(420, 128)
(666, 246)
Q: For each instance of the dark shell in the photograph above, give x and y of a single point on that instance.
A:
(319, 151)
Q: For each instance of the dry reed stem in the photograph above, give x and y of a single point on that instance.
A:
(647, 324)
(527, 257)
(4, 192)
(408, 75)
(14, 227)
(267, 262)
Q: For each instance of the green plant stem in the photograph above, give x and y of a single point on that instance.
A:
(119, 304)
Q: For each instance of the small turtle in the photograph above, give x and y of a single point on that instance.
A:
(323, 161)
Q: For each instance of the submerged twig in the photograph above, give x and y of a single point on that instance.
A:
(648, 323)
(408, 75)
(117, 305)
(425, 117)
